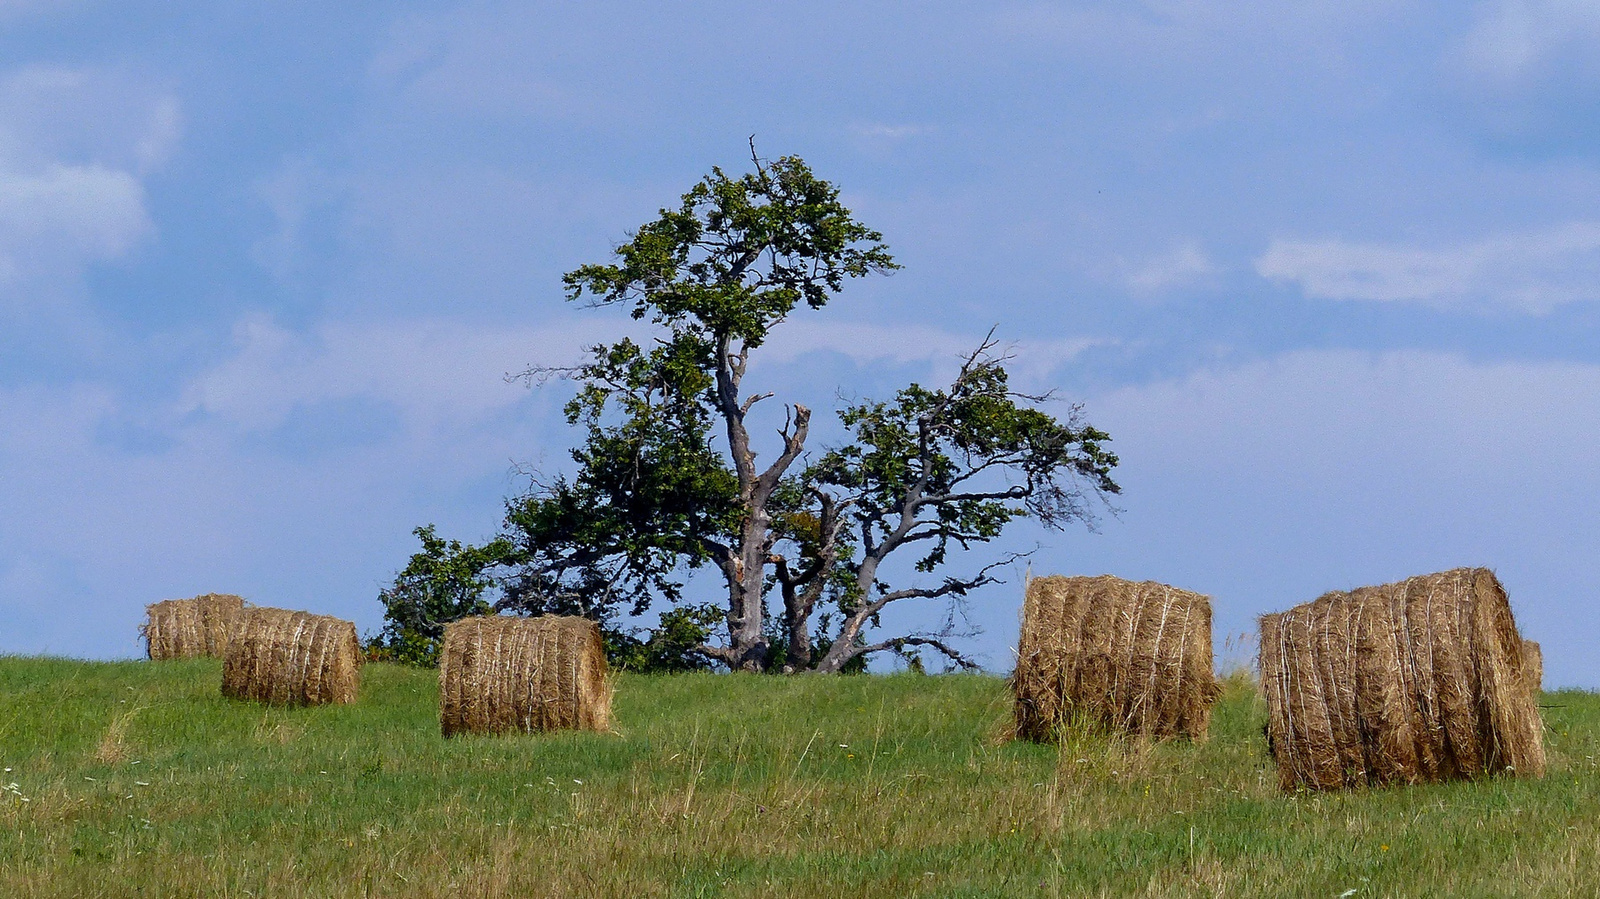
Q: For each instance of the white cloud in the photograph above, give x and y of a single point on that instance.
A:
(937, 351)
(75, 146)
(76, 212)
(1513, 40)
(1183, 265)
(444, 374)
(1531, 272)
(84, 116)
(1526, 74)
(437, 373)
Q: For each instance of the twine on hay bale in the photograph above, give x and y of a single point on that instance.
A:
(1132, 656)
(282, 657)
(500, 673)
(186, 628)
(1533, 666)
(1421, 680)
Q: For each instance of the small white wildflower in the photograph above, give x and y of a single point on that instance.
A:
(577, 781)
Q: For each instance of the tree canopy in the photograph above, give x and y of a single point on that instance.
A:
(665, 479)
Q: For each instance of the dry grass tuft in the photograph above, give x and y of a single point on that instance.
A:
(292, 658)
(1421, 680)
(500, 673)
(113, 746)
(1533, 666)
(1131, 657)
(186, 628)
(278, 733)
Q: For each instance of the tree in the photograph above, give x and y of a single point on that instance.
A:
(444, 582)
(667, 480)
(932, 469)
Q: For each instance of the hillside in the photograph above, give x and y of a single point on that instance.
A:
(138, 779)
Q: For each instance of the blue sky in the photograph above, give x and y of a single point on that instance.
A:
(1327, 272)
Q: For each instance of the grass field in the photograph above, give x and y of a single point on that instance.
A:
(138, 779)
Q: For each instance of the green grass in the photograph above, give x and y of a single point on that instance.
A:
(141, 780)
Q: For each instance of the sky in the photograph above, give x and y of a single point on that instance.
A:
(1328, 273)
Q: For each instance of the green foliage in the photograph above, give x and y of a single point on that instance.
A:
(648, 497)
(670, 647)
(664, 481)
(442, 583)
(966, 461)
(738, 255)
(653, 497)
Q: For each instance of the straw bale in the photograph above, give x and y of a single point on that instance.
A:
(282, 657)
(186, 628)
(500, 673)
(1132, 656)
(1420, 680)
(1533, 666)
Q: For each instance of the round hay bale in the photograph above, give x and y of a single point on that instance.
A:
(1132, 656)
(282, 657)
(187, 628)
(500, 673)
(1533, 666)
(1420, 680)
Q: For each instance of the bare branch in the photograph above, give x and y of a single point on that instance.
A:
(952, 586)
(722, 654)
(1017, 492)
(898, 645)
(794, 443)
(540, 375)
(744, 407)
(737, 363)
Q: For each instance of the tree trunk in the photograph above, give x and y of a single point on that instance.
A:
(797, 621)
(746, 571)
(844, 646)
(746, 629)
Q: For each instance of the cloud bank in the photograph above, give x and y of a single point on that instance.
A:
(1529, 272)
